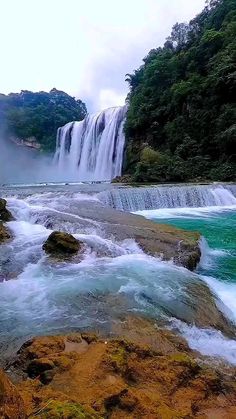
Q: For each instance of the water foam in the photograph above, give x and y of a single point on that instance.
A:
(166, 197)
(208, 342)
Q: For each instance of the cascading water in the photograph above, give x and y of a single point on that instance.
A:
(138, 199)
(92, 149)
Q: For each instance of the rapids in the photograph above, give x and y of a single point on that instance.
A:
(114, 278)
(170, 196)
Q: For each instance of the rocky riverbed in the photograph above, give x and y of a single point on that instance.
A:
(79, 267)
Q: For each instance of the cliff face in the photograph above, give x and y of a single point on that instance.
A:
(30, 142)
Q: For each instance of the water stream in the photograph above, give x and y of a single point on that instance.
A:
(114, 277)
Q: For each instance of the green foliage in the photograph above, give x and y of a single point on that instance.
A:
(67, 410)
(182, 101)
(39, 115)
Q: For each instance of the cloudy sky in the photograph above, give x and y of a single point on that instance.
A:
(84, 47)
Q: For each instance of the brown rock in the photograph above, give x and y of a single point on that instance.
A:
(11, 403)
(128, 378)
(61, 244)
(155, 239)
(5, 214)
(4, 233)
(38, 366)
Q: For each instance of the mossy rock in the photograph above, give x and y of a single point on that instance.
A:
(59, 244)
(5, 214)
(67, 410)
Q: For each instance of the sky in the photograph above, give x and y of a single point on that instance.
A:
(84, 47)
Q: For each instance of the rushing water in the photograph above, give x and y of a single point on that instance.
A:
(113, 278)
(93, 148)
(179, 196)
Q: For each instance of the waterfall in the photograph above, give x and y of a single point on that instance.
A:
(142, 198)
(92, 149)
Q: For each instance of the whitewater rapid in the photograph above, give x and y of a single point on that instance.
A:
(170, 196)
(113, 277)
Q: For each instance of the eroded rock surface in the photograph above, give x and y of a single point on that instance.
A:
(11, 403)
(153, 374)
(155, 239)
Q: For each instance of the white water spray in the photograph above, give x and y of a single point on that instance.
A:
(92, 149)
(156, 197)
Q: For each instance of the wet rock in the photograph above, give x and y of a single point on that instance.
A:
(5, 214)
(155, 239)
(41, 347)
(59, 244)
(47, 376)
(38, 366)
(11, 403)
(152, 374)
(4, 233)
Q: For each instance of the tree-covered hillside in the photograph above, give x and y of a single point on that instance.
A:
(25, 115)
(181, 122)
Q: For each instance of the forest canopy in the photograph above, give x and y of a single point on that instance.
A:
(38, 115)
(181, 121)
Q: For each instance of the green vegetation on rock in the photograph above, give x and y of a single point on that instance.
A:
(181, 121)
(67, 410)
(59, 243)
(37, 116)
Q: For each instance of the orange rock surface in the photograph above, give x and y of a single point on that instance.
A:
(152, 375)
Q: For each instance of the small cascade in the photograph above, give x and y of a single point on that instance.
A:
(193, 196)
(92, 149)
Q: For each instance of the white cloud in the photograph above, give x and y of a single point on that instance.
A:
(84, 48)
(109, 98)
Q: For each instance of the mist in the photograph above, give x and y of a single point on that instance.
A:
(21, 164)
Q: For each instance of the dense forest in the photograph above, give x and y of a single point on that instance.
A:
(181, 122)
(28, 115)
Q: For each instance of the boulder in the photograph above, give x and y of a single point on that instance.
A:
(61, 244)
(5, 214)
(11, 403)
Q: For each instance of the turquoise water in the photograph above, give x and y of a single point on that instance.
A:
(218, 228)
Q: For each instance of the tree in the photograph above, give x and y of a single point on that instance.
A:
(182, 101)
(39, 115)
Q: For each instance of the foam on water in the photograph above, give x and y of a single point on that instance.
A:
(49, 296)
(208, 342)
(226, 293)
(184, 196)
(201, 212)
